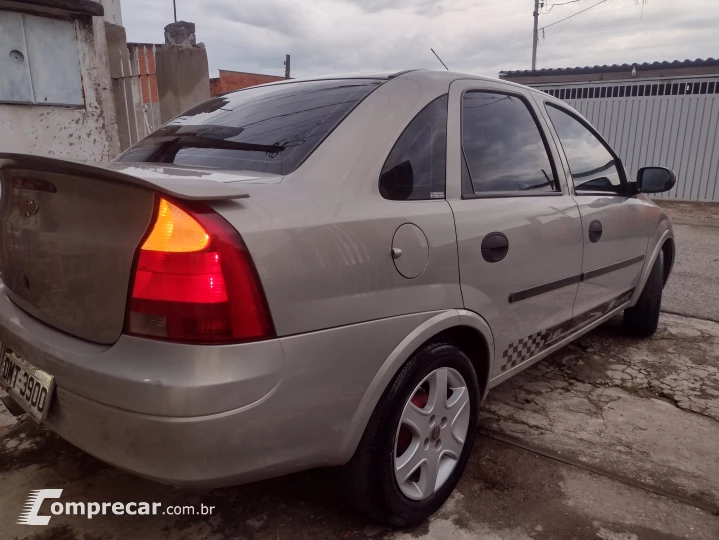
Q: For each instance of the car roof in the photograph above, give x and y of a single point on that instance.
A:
(429, 74)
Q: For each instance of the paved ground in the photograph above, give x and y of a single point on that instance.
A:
(609, 438)
(644, 410)
(694, 287)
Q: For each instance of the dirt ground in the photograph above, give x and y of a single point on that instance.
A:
(610, 438)
(691, 213)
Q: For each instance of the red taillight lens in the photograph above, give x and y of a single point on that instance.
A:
(194, 281)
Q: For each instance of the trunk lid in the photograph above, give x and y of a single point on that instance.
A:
(69, 232)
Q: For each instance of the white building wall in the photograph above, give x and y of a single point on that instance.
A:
(87, 132)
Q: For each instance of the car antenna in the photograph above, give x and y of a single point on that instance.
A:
(438, 58)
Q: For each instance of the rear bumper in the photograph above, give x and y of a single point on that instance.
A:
(208, 415)
(142, 375)
(202, 451)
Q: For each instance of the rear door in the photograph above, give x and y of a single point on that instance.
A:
(613, 223)
(519, 232)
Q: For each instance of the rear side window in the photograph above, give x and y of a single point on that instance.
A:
(504, 150)
(417, 165)
(266, 129)
(593, 168)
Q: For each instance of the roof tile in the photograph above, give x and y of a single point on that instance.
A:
(615, 67)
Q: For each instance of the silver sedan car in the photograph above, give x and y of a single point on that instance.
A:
(326, 272)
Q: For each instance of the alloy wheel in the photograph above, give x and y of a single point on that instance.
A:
(431, 433)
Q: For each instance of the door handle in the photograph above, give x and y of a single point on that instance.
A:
(495, 247)
(595, 231)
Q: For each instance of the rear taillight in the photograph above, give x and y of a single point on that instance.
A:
(194, 281)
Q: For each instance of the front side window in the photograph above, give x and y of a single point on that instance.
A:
(593, 168)
(416, 167)
(504, 151)
(265, 129)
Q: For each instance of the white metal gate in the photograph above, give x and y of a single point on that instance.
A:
(668, 122)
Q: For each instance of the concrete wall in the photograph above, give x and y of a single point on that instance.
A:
(86, 132)
(121, 73)
(236, 80)
(113, 11)
(183, 75)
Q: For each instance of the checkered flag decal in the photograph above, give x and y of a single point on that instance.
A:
(523, 350)
(526, 348)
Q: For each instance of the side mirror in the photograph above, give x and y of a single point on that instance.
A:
(655, 179)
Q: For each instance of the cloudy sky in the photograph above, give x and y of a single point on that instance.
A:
(477, 36)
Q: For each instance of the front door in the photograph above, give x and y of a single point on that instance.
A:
(614, 224)
(519, 232)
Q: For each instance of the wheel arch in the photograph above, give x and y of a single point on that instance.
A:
(669, 251)
(465, 329)
(661, 242)
(474, 336)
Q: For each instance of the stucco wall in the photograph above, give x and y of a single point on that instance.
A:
(86, 133)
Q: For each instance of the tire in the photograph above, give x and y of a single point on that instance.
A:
(369, 478)
(642, 319)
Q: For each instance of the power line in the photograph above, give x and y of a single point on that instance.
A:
(577, 13)
(562, 4)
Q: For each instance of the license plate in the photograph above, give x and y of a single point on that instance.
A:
(31, 387)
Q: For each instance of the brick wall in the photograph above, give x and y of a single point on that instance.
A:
(235, 80)
(144, 56)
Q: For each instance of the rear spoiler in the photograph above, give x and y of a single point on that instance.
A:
(189, 188)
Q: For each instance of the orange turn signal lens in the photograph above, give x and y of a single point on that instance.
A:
(175, 231)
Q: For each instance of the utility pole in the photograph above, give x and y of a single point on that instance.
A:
(535, 35)
(541, 3)
(174, 9)
(287, 66)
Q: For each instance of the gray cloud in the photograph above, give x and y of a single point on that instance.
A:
(424, 7)
(277, 16)
(334, 36)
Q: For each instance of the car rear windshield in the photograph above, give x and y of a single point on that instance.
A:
(268, 129)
